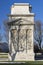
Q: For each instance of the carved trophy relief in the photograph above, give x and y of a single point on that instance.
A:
(22, 39)
(29, 39)
(14, 38)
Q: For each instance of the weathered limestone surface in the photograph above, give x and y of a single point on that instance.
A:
(20, 8)
(21, 31)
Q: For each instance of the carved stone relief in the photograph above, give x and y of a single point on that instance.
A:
(21, 39)
(14, 38)
(29, 38)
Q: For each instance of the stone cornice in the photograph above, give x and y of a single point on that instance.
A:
(23, 15)
(21, 4)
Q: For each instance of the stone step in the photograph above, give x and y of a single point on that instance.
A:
(3, 56)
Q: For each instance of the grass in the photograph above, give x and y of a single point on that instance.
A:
(26, 63)
(35, 62)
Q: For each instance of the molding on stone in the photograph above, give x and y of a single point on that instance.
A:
(23, 15)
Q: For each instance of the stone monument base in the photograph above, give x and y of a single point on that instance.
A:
(23, 56)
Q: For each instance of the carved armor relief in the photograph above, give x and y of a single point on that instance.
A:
(25, 39)
(22, 39)
(29, 39)
(14, 38)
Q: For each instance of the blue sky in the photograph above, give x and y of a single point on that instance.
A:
(37, 8)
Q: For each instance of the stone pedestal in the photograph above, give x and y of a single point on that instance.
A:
(23, 56)
(21, 33)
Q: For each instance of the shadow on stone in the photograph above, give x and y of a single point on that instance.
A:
(13, 56)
